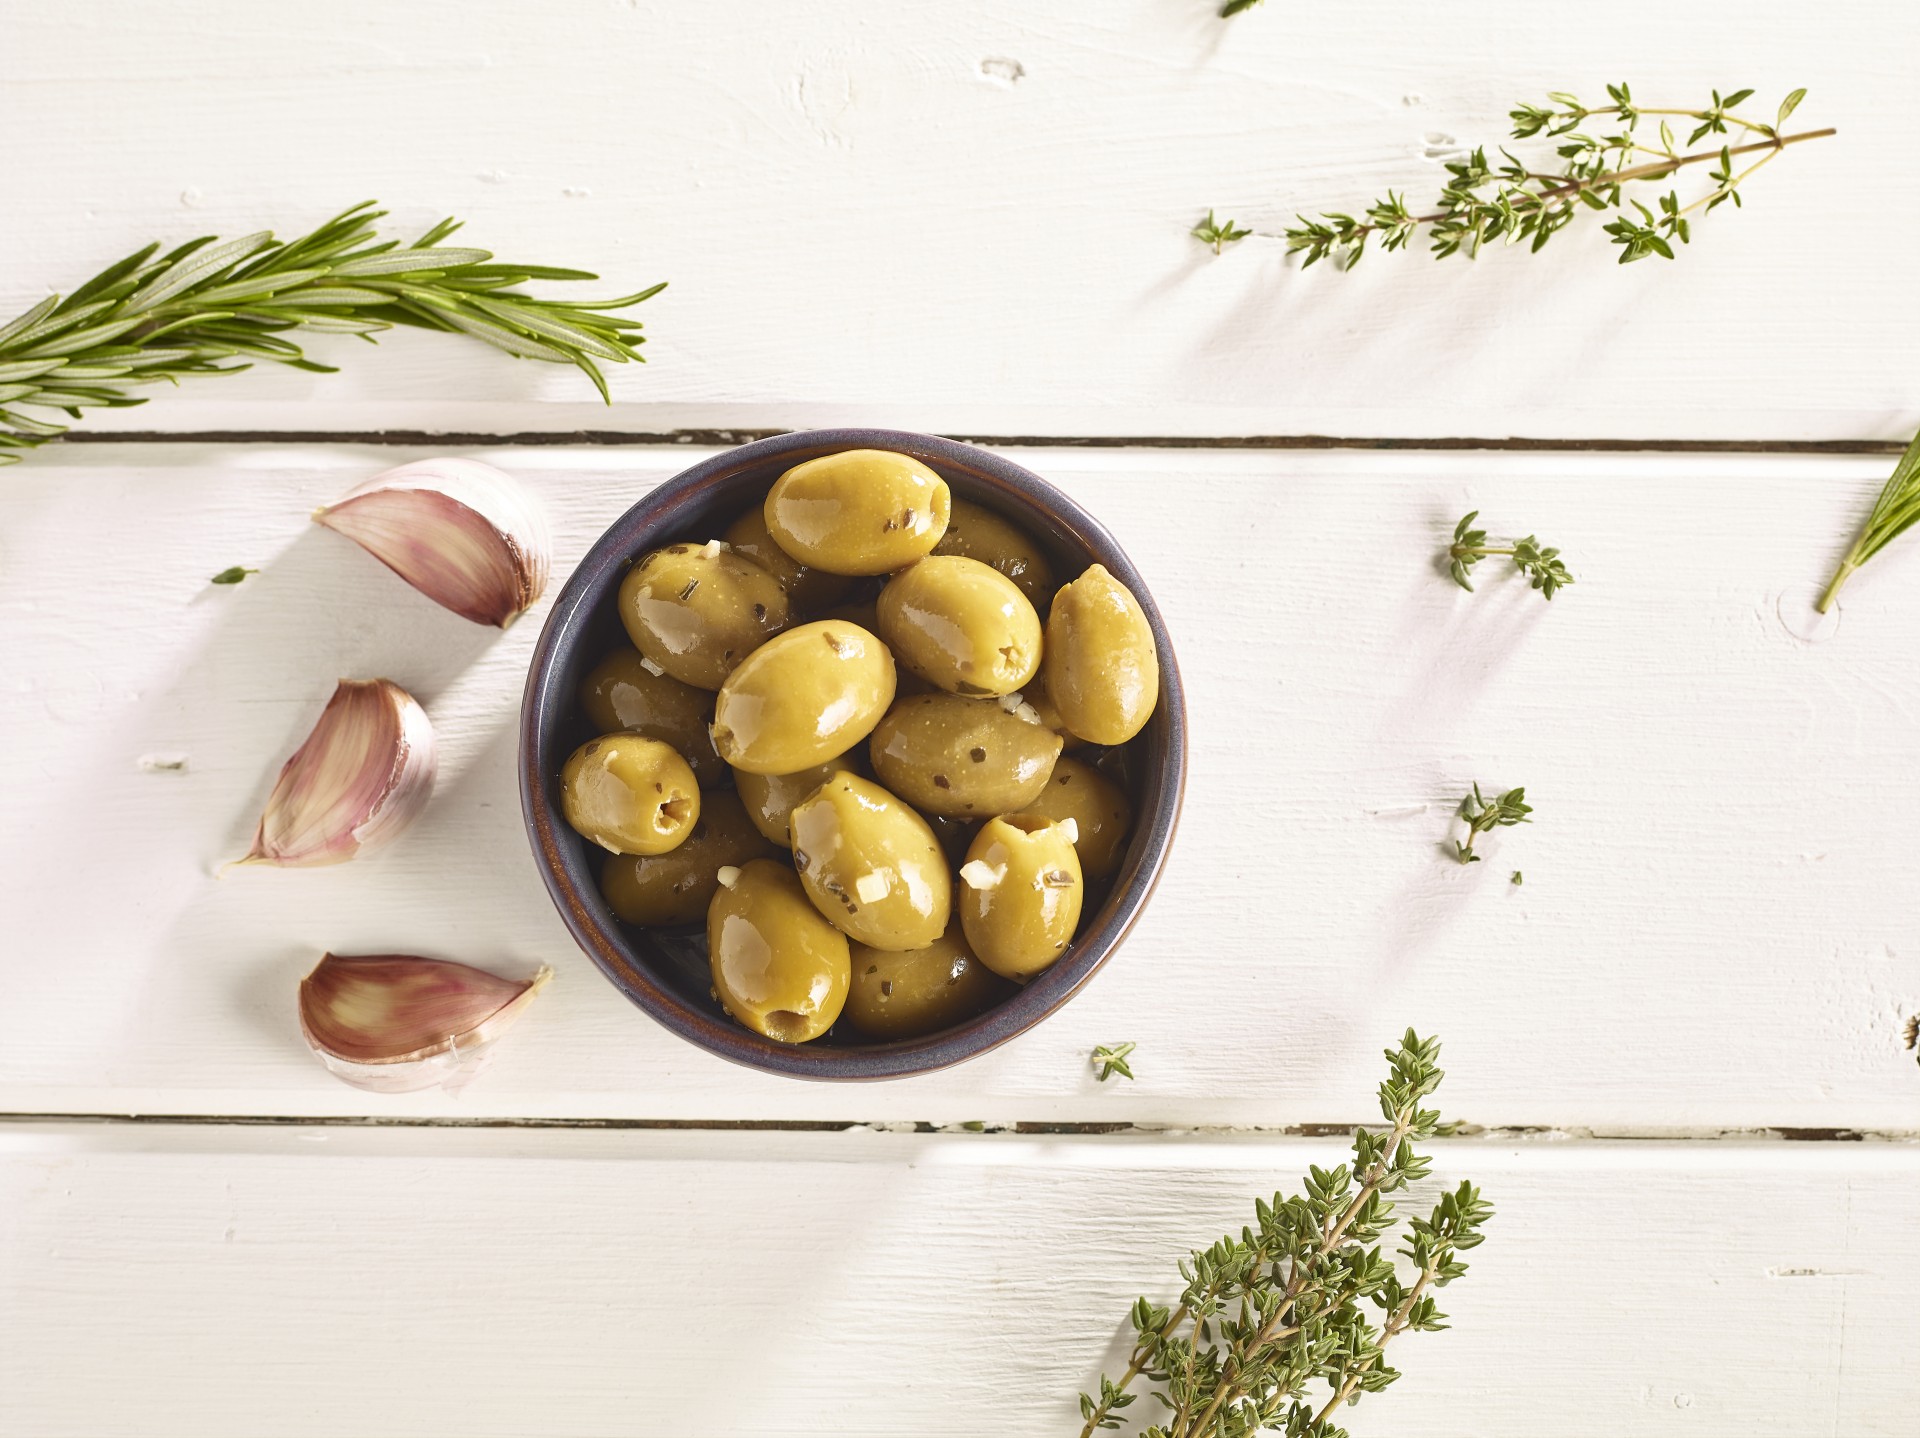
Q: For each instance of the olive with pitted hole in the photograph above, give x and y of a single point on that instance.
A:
(676, 887)
(770, 797)
(961, 625)
(698, 610)
(629, 794)
(1103, 673)
(778, 967)
(621, 692)
(983, 535)
(965, 757)
(808, 590)
(920, 991)
(862, 511)
(1098, 808)
(802, 698)
(871, 865)
(1020, 894)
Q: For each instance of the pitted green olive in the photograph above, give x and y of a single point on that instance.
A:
(1099, 809)
(698, 610)
(770, 797)
(676, 887)
(808, 590)
(983, 535)
(1103, 673)
(964, 757)
(1020, 894)
(921, 991)
(863, 511)
(802, 698)
(962, 625)
(871, 865)
(778, 967)
(620, 692)
(629, 794)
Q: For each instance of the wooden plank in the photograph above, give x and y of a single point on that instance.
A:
(210, 1282)
(974, 218)
(1715, 929)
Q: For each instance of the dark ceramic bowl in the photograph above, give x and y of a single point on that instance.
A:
(665, 971)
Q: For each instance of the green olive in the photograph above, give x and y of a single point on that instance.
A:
(676, 887)
(629, 794)
(808, 590)
(1020, 894)
(871, 865)
(863, 511)
(921, 991)
(778, 967)
(802, 698)
(620, 692)
(983, 535)
(1099, 809)
(948, 755)
(770, 797)
(1102, 671)
(698, 610)
(966, 627)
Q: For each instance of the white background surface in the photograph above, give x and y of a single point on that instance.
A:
(972, 219)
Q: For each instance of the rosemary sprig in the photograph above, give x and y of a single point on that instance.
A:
(1893, 515)
(1514, 201)
(1505, 811)
(1542, 566)
(1264, 1315)
(1111, 1059)
(211, 308)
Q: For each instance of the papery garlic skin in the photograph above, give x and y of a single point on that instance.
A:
(396, 1023)
(463, 533)
(361, 777)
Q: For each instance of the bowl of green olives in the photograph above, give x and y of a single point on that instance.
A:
(852, 754)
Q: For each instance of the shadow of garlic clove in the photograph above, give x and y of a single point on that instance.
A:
(394, 1023)
(361, 777)
(463, 533)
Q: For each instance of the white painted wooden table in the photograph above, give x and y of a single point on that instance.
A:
(1678, 1045)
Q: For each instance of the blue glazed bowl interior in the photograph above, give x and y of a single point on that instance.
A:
(664, 971)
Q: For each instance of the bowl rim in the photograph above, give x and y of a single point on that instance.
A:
(572, 610)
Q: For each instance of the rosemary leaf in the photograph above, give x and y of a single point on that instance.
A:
(1893, 515)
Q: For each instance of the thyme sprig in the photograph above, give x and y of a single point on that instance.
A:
(1894, 513)
(1505, 811)
(1111, 1059)
(212, 308)
(1218, 233)
(1265, 1315)
(1542, 565)
(1516, 200)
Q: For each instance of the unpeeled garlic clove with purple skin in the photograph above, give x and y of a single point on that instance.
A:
(461, 532)
(362, 776)
(395, 1023)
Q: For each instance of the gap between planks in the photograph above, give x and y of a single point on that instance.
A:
(1465, 1132)
(703, 438)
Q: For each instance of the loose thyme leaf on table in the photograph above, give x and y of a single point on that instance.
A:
(211, 308)
(1516, 201)
(1283, 1306)
(1482, 818)
(1894, 513)
(1111, 1059)
(1218, 233)
(231, 575)
(1542, 566)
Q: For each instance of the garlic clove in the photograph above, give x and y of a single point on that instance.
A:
(461, 532)
(362, 776)
(394, 1023)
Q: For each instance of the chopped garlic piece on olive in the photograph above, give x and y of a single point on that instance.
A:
(1012, 702)
(712, 549)
(1071, 829)
(870, 888)
(1029, 713)
(979, 874)
(654, 669)
(728, 875)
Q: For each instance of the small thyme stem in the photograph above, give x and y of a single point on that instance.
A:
(1393, 1326)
